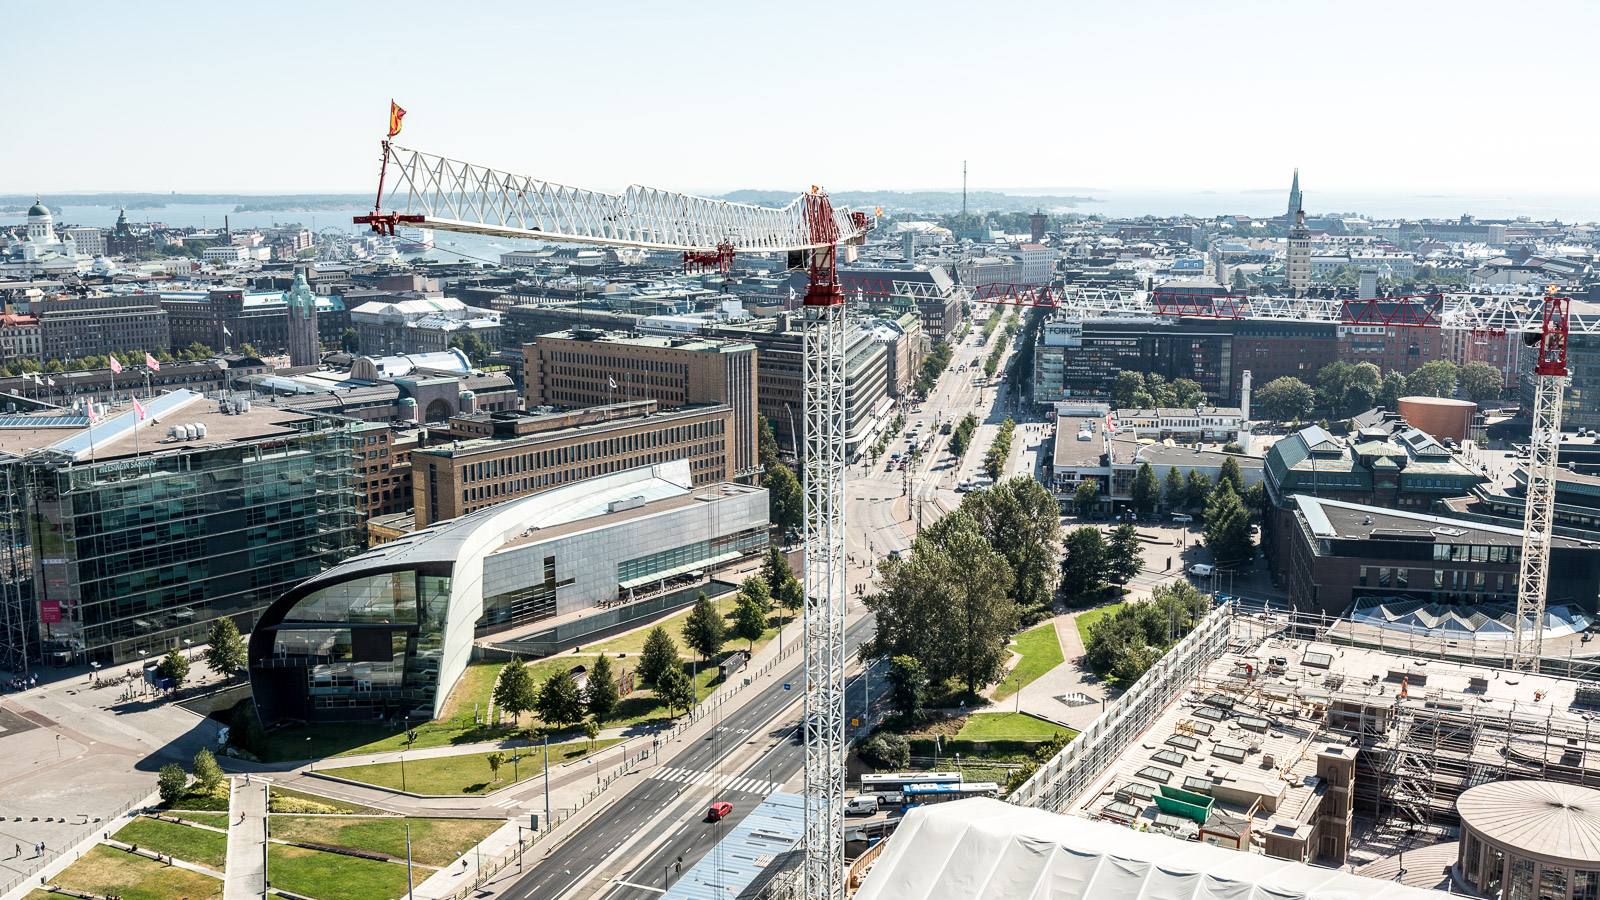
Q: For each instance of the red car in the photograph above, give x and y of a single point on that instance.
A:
(718, 810)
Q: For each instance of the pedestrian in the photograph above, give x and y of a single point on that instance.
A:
(19, 849)
(247, 779)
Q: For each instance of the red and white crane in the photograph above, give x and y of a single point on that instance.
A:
(451, 195)
(1543, 322)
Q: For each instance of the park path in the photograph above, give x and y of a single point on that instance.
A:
(1041, 697)
(247, 835)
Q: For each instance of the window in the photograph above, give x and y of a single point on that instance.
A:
(1232, 754)
(1184, 741)
(1155, 773)
(1552, 883)
(1168, 757)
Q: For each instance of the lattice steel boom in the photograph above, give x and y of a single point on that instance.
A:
(452, 195)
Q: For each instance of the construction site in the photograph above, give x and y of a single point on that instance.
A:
(1275, 734)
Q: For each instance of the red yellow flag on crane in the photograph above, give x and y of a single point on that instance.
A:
(395, 115)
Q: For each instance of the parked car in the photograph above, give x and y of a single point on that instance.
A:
(718, 810)
(862, 806)
(1183, 517)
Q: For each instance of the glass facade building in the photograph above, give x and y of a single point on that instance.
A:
(389, 632)
(122, 556)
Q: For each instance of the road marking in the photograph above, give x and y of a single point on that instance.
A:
(642, 887)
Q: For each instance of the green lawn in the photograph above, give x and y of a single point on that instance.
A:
(1041, 652)
(465, 774)
(214, 819)
(104, 870)
(1089, 617)
(196, 845)
(334, 876)
(329, 805)
(1008, 726)
(434, 842)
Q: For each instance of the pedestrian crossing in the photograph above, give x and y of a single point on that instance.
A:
(716, 782)
(507, 803)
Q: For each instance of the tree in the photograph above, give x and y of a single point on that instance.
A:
(206, 770)
(886, 750)
(1197, 490)
(1146, 491)
(600, 694)
(1239, 282)
(948, 604)
(1175, 491)
(1124, 554)
(757, 589)
(1435, 379)
(1231, 475)
(350, 341)
(175, 666)
(1083, 562)
(171, 782)
(476, 350)
(775, 570)
(704, 631)
(660, 654)
(766, 443)
(908, 686)
(515, 692)
(1391, 390)
(1086, 495)
(791, 596)
(785, 500)
(1227, 533)
(591, 730)
(1482, 382)
(1256, 498)
(750, 617)
(224, 648)
(495, 761)
(1187, 393)
(1021, 519)
(1126, 389)
(676, 689)
(1282, 399)
(559, 701)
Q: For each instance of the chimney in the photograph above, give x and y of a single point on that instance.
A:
(1244, 394)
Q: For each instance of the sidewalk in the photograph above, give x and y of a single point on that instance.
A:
(247, 835)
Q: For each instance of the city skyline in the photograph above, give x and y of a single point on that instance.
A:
(718, 99)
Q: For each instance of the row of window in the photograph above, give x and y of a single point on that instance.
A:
(575, 453)
(1443, 579)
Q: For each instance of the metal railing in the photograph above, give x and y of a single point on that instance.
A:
(1064, 778)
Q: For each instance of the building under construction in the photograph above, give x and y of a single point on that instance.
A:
(1297, 739)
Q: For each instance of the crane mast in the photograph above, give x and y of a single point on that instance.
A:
(1533, 575)
(451, 195)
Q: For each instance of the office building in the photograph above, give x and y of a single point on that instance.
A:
(500, 456)
(1373, 563)
(1079, 358)
(129, 538)
(75, 327)
(391, 631)
(581, 367)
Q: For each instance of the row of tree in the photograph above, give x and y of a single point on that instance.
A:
(1136, 390)
(933, 365)
(559, 702)
(172, 782)
(1089, 561)
(785, 500)
(1347, 389)
(127, 358)
(961, 435)
(953, 602)
(992, 363)
(994, 461)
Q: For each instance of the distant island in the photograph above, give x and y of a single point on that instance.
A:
(17, 204)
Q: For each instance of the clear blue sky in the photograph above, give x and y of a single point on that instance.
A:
(288, 96)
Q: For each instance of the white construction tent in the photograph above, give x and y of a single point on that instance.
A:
(981, 849)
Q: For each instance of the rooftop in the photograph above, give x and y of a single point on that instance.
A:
(1334, 519)
(656, 341)
(1547, 819)
(1070, 451)
(113, 437)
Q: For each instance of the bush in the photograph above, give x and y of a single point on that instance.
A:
(1232, 447)
(171, 782)
(886, 750)
(300, 806)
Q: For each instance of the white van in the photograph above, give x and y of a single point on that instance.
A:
(1201, 570)
(862, 806)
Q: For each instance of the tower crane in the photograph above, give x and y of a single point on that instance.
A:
(450, 195)
(1544, 325)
